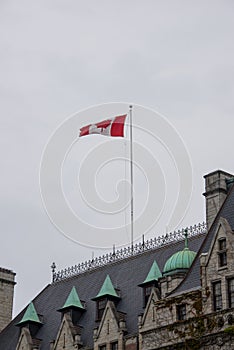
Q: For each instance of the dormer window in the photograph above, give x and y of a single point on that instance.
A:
(147, 292)
(30, 320)
(73, 307)
(222, 253)
(106, 293)
(101, 304)
(150, 282)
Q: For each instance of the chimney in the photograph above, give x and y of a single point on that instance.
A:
(216, 191)
(7, 283)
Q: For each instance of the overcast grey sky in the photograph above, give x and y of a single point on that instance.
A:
(59, 57)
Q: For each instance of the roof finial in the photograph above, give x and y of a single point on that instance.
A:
(53, 268)
(186, 238)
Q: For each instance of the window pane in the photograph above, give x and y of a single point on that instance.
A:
(102, 347)
(101, 304)
(231, 285)
(222, 259)
(114, 346)
(217, 296)
(217, 288)
(222, 244)
(222, 253)
(147, 292)
(231, 292)
(181, 312)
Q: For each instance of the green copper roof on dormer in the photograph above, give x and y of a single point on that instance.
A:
(30, 315)
(154, 273)
(73, 300)
(107, 289)
(180, 261)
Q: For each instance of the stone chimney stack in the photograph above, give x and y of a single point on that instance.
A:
(216, 192)
(7, 283)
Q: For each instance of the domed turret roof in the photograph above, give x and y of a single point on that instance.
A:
(180, 261)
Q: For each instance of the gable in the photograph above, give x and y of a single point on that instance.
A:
(64, 338)
(223, 232)
(217, 267)
(25, 340)
(151, 317)
(192, 279)
(109, 322)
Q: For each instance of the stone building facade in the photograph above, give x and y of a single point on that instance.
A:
(172, 292)
(7, 283)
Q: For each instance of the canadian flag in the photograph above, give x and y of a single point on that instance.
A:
(109, 127)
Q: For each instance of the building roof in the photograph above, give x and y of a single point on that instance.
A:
(153, 275)
(107, 289)
(125, 274)
(73, 300)
(192, 279)
(180, 261)
(30, 315)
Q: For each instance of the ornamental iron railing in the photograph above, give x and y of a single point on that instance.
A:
(123, 253)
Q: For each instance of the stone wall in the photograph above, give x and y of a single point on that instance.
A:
(212, 272)
(204, 332)
(111, 329)
(7, 282)
(216, 193)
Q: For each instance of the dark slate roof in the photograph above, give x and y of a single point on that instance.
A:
(126, 275)
(193, 277)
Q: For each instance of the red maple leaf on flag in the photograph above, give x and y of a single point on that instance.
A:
(104, 124)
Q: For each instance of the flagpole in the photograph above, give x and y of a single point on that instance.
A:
(131, 174)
